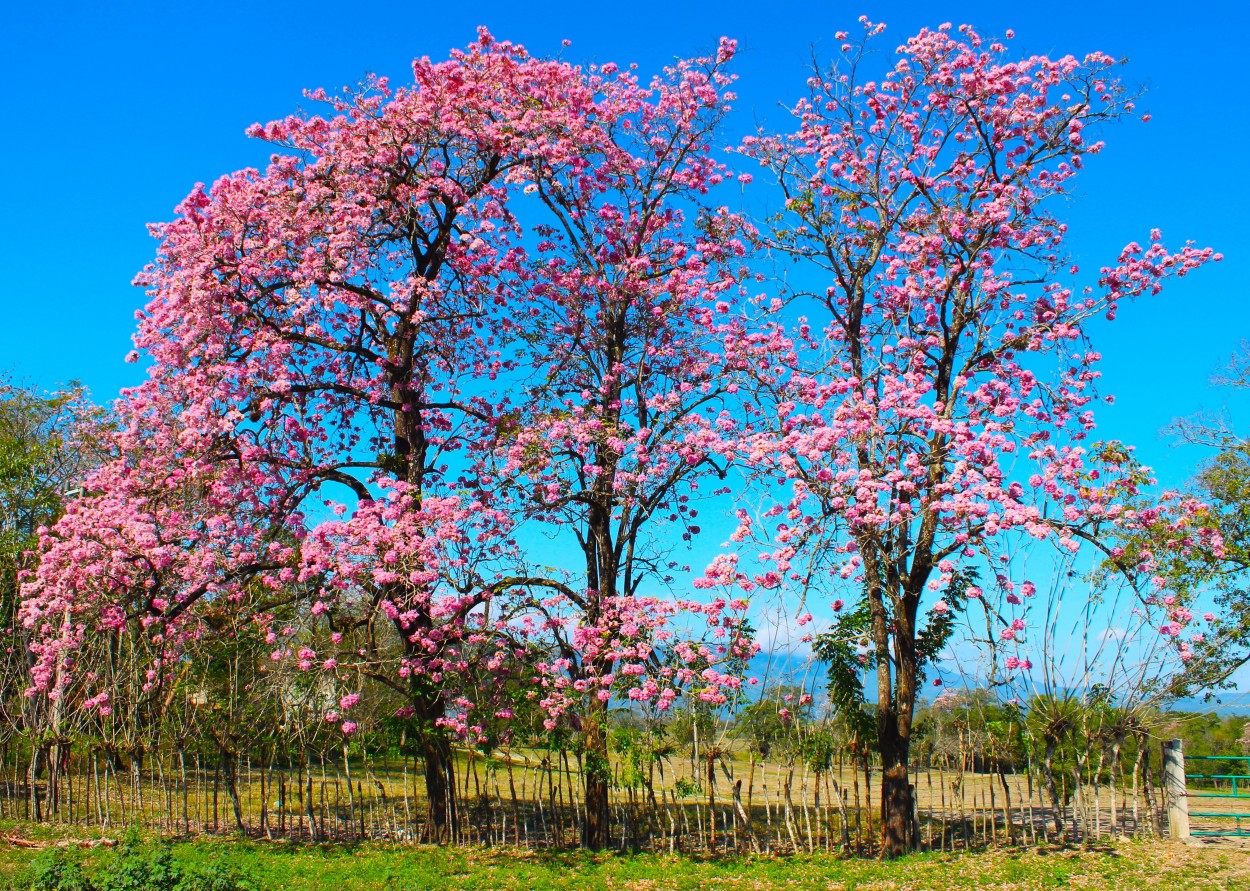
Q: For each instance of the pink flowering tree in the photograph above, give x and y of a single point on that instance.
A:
(928, 368)
(629, 407)
(320, 454)
(322, 334)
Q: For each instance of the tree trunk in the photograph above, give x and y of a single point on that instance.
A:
(896, 703)
(1048, 773)
(442, 823)
(32, 783)
(595, 770)
(440, 784)
(228, 765)
(897, 837)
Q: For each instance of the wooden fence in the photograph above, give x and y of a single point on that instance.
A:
(531, 798)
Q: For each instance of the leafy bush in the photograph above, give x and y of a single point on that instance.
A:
(214, 878)
(137, 867)
(142, 868)
(57, 870)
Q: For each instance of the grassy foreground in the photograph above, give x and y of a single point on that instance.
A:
(271, 867)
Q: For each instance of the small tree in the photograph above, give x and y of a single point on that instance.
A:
(48, 443)
(1214, 565)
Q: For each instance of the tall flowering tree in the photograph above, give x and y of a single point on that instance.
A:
(929, 369)
(324, 326)
(318, 452)
(629, 406)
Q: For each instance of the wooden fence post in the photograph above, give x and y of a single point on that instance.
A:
(1174, 783)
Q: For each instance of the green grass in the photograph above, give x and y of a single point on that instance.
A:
(377, 867)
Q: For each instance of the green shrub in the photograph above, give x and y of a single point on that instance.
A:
(214, 878)
(57, 870)
(136, 867)
(139, 867)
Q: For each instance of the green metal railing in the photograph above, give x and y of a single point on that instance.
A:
(1239, 790)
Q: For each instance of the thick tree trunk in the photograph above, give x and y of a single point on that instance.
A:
(602, 572)
(442, 823)
(897, 808)
(596, 831)
(440, 789)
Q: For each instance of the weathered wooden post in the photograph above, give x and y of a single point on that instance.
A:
(914, 839)
(1174, 783)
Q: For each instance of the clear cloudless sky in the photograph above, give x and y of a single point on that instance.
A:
(113, 111)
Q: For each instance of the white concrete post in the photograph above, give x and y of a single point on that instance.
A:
(1174, 783)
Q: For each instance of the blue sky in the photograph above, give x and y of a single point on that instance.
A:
(115, 110)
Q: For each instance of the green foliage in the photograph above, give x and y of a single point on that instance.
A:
(848, 655)
(845, 651)
(1210, 566)
(213, 877)
(638, 750)
(1126, 867)
(596, 764)
(136, 866)
(685, 787)
(818, 746)
(1224, 485)
(139, 867)
(55, 869)
(47, 443)
(932, 639)
(1208, 733)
